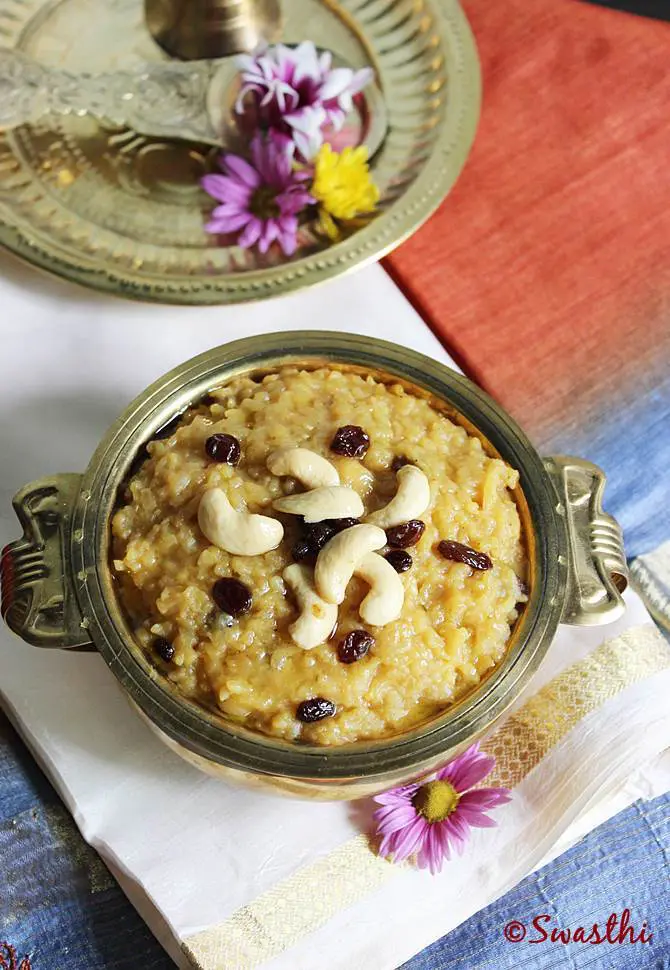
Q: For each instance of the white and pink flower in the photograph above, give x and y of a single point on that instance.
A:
(296, 91)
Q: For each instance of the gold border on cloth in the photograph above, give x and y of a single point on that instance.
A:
(298, 905)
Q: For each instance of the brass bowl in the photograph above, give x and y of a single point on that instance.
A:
(58, 591)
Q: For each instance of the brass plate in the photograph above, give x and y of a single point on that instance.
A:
(119, 212)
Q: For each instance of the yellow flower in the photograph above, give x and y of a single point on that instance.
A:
(342, 186)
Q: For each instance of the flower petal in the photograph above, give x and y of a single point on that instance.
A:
(410, 839)
(335, 117)
(251, 234)
(291, 203)
(405, 793)
(325, 61)
(477, 819)
(360, 79)
(288, 242)
(443, 838)
(288, 234)
(338, 81)
(459, 830)
(285, 60)
(307, 119)
(432, 855)
(269, 233)
(483, 798)
(248, 87)
(395, 820)
(243, 170)
(229, 223)
(306, 62)
(228, 209)
(306, 145)
(468, 769)
(225, 189)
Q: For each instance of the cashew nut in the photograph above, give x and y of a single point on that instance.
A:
(317, 618)
(411, 499)
(240, 533)
(310, 469)
(383, 603)
(327, 502)
(339, 558)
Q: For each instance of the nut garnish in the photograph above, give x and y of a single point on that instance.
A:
(339, 558)
(310, 469)
(326, 502)
(239, 533)
(317, 618)
(383, 604)
(409, 502)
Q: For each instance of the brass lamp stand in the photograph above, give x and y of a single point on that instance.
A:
(195, 29)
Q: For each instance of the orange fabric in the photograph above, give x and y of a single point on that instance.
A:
(551, 279)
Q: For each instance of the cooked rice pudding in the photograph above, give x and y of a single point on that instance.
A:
(321, 556)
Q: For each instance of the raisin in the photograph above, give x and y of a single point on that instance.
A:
(313, 538)
(351, 441)
(524, 588)
(400, 461)
(232, 596)
(459, 552)
(339, 525)
(315, 709)
(405, 535)
(224, 448)
(164, 649)
(354, 646)
(317, 534)
(400, 560)
(302, 550)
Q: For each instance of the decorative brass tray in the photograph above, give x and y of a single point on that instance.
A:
(103, 206)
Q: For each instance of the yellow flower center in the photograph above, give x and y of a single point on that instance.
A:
(436, 800)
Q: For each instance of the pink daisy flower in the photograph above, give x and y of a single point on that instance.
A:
(260, 201)
(298, 92)
(435, 817)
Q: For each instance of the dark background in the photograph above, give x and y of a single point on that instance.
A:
(646, 8)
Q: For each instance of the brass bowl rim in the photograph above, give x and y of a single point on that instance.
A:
(207, 734)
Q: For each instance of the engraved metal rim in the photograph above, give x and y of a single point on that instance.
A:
(206, 734)
(366, 245)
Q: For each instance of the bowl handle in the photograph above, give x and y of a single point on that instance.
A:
(37, 599)
(597, 568)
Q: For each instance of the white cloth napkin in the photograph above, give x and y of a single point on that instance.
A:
(216, 871)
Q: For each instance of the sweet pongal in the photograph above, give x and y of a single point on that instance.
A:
(320, 556)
